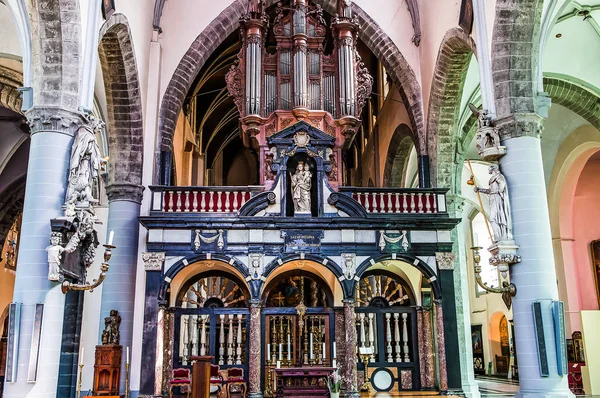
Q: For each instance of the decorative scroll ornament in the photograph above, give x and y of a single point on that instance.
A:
(256, 265)
(349, 261)
(488, 138)
(301, 140)
(385, 239)
(153, 261)
(202, 239)
(364, 86)
(85, 165)
(235, 86)
(445, 260)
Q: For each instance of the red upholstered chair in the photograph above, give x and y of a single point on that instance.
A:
(235, 377)
(181, 378)
(216, 379)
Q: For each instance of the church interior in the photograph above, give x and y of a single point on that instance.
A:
(306, 198)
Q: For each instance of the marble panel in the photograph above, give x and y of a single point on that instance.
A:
(406, 379)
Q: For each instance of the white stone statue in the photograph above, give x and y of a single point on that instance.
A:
(55, 251)
(301, 186)
(85, 164)
(500, 217)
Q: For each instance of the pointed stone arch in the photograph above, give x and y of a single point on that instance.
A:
(227, 22)
(451, 67)
(397, 158)
(125, 123)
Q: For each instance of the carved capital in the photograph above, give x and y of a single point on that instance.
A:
(153, 261)
(54, 119)
(520, 125)
(445, 260)
(124, 191)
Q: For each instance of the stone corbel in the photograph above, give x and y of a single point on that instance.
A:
(445, 261)
(349, 266)
(256, 266)
(488, 136)
(153, 261)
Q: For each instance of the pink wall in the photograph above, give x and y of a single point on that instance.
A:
(586, 228)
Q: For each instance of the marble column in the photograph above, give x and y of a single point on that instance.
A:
(153, 263)
(118, 290)
(441, 345)
(428, 380)
(535, 276)
(52, 131)
(349, 373)
(255, 357)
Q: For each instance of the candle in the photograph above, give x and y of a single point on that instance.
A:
(280, 351)
(127, 356)
(312, 355)
(324, 356)
(81, 356)
(334, 351)
(269, 352)
(289, 356)
(278, 364)
(110, 237)
(334, 363)
(475, 240)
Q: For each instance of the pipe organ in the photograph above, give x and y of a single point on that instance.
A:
(286, 72)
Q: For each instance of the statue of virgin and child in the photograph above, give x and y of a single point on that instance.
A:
(301, 186)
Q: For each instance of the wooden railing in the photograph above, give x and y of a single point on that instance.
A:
(399, 201)
(201, 199)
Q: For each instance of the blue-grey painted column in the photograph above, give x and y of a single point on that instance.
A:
(535, 276)
(118, 289)
(52, 131)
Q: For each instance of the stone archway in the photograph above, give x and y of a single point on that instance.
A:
(228, 21)
(444, 103)
(578, 97)
(397, 158)
(125, 124)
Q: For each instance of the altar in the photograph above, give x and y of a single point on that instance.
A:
(306, 382)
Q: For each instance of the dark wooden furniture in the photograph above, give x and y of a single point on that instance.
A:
(501, 364)
(107, 369)
(201, 376)
(575, 378)
(309, 382)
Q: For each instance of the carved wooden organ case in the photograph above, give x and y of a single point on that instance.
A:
(296, 80)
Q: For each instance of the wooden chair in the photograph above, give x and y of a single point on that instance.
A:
(181, 378)
(235, 377)
(216, 378)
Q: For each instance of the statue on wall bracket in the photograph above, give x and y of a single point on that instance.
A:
(488, 138)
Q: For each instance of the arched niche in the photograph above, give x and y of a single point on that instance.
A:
(285, 290)
(302, 170)
(208, 267)
(312, 267)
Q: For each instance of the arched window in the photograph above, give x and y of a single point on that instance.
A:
(481, 237)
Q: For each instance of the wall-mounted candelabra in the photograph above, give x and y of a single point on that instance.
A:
(66, 285)
(508, 290)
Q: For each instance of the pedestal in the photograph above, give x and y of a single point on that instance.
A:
(201, 376)
(107, 369)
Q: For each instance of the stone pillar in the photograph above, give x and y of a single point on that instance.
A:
(349, 371)
(118, 290)
(449, 328)
(52, 131)
(153, 263)
(535, 276)
(255, 357)
(428, 377)
(441, 345)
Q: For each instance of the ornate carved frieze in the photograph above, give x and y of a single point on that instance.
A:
(153, 261)
(208, 240)
(393, 241)
(445, 260)
(55, 119)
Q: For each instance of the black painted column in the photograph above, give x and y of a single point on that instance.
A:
(153, 263)
(445, 262)
(69, 350)
(424, 172)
